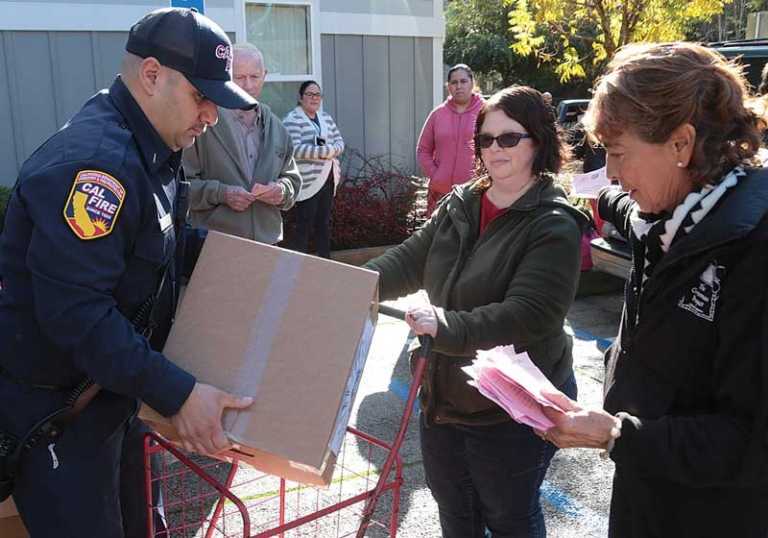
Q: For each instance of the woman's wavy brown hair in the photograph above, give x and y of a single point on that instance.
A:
(651, 89)
(527, 107)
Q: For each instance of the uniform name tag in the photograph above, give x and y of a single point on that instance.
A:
(93, 204)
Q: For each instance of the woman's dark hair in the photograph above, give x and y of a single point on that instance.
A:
(305, 85)
(460, 67)
(527, 107)
(651, 89)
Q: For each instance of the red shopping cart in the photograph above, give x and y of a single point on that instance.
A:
(198, 497)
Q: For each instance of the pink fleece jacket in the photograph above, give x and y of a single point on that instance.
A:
(446, 149)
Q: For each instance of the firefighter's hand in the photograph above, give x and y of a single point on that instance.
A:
(198, 422)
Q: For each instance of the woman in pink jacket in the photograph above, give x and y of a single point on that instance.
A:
(446, 150)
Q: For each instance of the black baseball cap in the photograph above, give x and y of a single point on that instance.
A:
(194, 45)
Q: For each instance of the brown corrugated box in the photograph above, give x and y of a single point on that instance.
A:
(10, 522)
(290, 330)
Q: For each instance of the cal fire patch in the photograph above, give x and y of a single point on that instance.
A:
(94, 204)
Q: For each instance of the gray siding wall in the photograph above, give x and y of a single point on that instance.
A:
(395, 76)
(418, 8)
(44, 79)
(46, 76)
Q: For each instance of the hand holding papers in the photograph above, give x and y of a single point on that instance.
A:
(514, 383)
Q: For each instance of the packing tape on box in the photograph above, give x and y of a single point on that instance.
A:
(266, 325)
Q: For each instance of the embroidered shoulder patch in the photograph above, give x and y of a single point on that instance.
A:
(701, 299)
(93, 204)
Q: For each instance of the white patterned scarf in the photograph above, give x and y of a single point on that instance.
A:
(658, 234)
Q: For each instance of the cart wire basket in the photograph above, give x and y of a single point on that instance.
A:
(190, 496)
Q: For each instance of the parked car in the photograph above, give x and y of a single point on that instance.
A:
(569, 111)
(752, 53)
(610, 252)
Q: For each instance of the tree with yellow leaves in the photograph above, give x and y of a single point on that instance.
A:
(578, 36)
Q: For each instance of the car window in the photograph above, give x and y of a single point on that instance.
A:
(753, 54)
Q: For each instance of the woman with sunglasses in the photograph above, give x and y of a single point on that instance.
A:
(317, 145)
(499, 259)
(444, 149)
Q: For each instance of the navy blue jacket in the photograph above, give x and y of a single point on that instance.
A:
(693, 369)
(88, 232)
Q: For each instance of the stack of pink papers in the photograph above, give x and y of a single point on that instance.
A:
(514, 383)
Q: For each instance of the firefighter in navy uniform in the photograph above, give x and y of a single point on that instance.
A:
(87, 259)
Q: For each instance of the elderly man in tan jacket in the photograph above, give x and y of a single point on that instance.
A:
(242, 171)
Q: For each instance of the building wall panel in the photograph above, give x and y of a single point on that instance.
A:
(403, 110)
(376, 86)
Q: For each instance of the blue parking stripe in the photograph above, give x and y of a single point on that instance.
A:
(401, 390)
(559, 500)
(602, 343)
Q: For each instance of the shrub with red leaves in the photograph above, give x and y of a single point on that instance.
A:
(375, 204)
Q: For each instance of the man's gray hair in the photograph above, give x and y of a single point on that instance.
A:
(250, 49)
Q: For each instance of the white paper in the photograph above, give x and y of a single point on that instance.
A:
(589, 184)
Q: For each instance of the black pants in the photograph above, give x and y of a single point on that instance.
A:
(488, 477)
(314, 214)
(91, 481)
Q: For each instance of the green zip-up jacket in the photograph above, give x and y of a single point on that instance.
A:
(512, 285)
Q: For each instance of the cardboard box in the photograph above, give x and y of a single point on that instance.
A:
(290, 330)
(10, 522)
(7, 508)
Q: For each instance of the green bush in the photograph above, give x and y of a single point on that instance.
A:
(5, 195)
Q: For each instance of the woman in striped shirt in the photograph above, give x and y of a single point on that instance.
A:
(317, 145)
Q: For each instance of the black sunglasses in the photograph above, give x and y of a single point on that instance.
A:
(504, 140)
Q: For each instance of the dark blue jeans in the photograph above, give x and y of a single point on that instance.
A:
(488, 477)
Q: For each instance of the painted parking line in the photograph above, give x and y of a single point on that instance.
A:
(401, 390)
(590, 520)
(559, 500)
(602, 343)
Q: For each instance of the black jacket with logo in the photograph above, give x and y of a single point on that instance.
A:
(691, 363)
